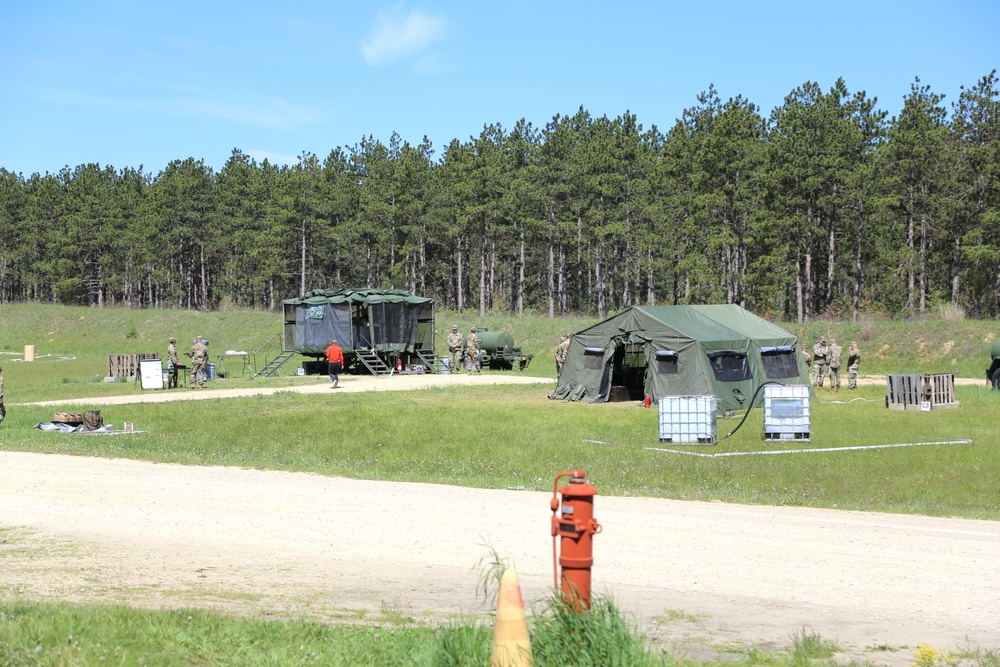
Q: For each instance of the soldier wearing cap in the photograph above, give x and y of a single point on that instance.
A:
(472, 352)
(454, 342)
(853, 363)
(199, 358)
(820, 355)
(3, 410)
(172, 362)
(836, 358)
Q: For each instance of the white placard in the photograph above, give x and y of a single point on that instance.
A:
(151, 373)
(925, 406)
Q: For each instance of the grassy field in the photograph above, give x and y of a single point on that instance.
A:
(481, 437)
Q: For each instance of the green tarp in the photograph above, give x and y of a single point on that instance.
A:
(384, 320)
(657, 351)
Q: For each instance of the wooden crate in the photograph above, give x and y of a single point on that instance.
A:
(911, 391)
(126, 365)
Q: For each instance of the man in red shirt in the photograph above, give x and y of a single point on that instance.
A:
(335, 361)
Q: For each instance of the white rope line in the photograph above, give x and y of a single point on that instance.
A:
(811, 451)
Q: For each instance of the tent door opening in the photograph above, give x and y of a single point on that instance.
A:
(628, 377)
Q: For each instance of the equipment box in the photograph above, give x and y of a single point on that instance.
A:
(689, 419)
(786, 412)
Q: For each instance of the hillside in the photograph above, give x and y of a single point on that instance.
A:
(888, 346)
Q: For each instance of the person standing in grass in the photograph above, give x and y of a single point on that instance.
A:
(334, 362)
(853, 363)
(454, 342)
(199, 357)
(820, 355)
(472, 352)
(807, 358)
(172, 362)
(836, 358)
(3, 410)
(557, 352)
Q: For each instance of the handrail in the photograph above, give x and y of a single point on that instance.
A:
(264, 348)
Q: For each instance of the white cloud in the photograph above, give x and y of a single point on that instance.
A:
(394, 35)
(261, 111)
(265, 112)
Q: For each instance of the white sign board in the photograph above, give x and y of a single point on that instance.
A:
(151, 373)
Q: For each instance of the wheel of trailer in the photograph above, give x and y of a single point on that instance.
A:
(996, 379)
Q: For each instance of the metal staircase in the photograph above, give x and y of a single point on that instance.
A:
(429, 361)
(370, 360)
(272, 367)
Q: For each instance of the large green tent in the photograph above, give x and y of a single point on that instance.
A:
(657, 351)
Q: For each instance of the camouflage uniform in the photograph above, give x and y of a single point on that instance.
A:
(820, 354)
(807, 358)
(853, 362)
(172, 362)
(557, 352)
(199, 358)
(454, 341)
(472, 352)
(562, 351)
(836, 359)
(3, 410)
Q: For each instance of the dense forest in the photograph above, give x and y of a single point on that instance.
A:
(826, 207)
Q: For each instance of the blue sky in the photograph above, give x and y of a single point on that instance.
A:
(143, 83)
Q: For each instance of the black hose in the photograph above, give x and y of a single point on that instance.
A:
(752, 400)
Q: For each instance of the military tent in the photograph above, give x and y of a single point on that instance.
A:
(657, 351)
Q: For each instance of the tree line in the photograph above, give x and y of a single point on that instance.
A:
(826, 206)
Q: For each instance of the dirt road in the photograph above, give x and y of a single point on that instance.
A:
(698, 576)
(275, 544)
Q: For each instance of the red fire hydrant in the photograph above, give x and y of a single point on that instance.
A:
(576, 526)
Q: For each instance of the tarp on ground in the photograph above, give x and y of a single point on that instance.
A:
(720, 350)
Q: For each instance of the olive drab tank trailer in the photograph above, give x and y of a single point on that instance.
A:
(993, 372)
(498, 351)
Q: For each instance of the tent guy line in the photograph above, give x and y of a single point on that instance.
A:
(811, 451)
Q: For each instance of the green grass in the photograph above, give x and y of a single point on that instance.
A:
(482, 437)
(513, 436)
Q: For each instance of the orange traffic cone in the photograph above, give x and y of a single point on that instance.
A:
(511, 643)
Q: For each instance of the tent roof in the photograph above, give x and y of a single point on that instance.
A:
(366, 295)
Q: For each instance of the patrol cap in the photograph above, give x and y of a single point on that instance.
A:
(173, 340)
(454, 326)
(854, 344)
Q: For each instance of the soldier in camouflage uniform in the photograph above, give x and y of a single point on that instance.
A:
(199, 358)
(557, 352)
(454, 341)
(472, 353)
(820, 355)
(3, 410)
(806, 357)
(853, 362)
(172, 362)
(836, 359)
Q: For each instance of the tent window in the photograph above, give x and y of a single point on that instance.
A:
(779, 362)
(315, 312)
(593, 358)
(666, 362)
(730, 366)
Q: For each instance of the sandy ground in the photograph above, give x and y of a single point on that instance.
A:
(698, 576)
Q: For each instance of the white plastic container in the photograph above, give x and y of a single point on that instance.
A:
(786, 412)
(689, 419)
